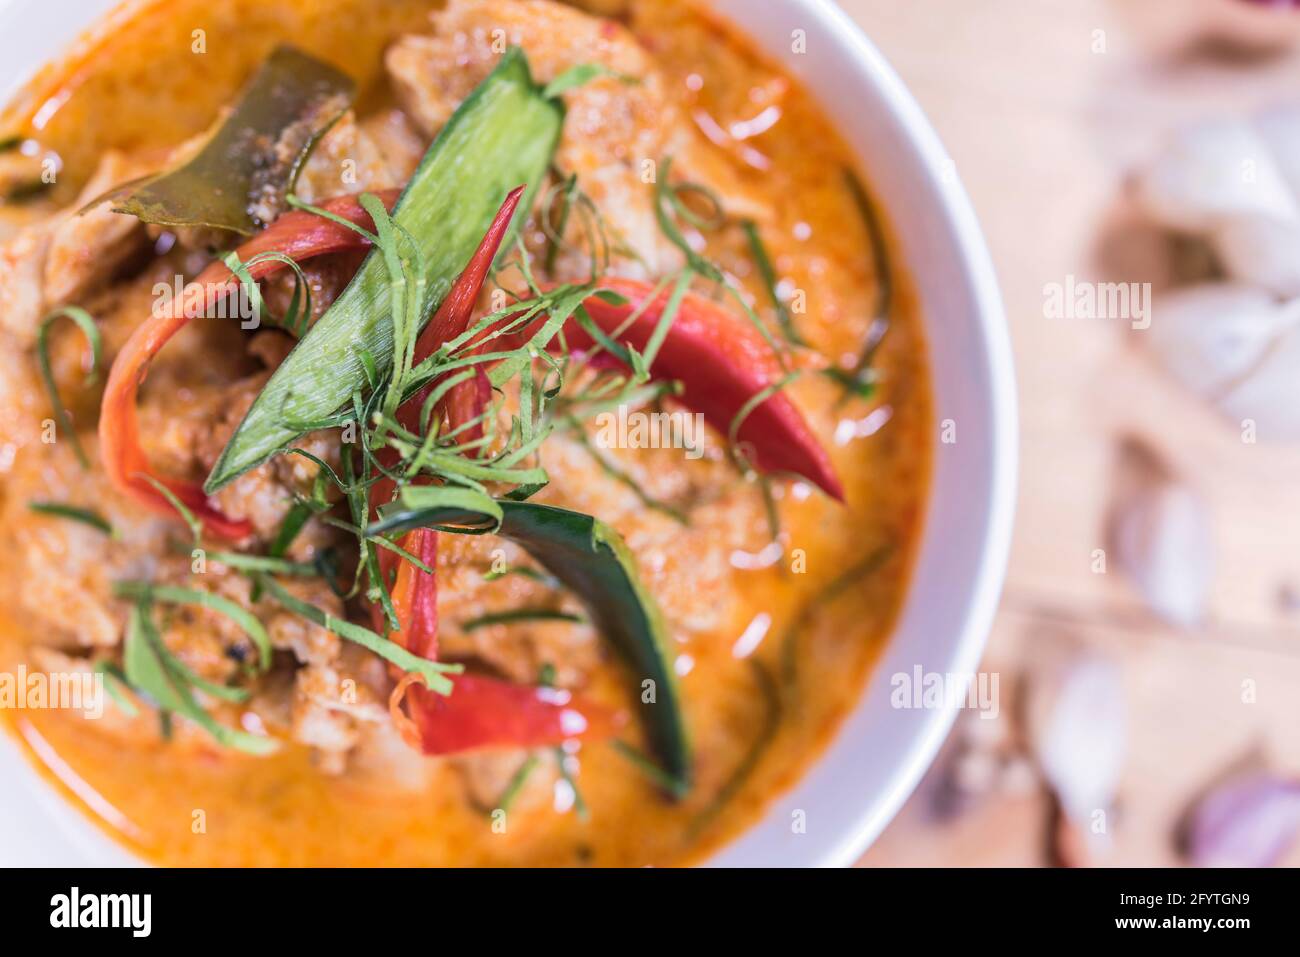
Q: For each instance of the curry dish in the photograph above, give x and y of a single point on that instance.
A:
(491, 432)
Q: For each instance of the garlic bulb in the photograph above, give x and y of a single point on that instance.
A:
(1224, 180)
(1236, 185)
(1076, 724)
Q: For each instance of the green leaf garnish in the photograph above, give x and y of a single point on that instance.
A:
(772, 712)
(767, 273)
(187, 516)
(593, 561)
(858, 380)
(580, 75)
(241, 616)
(153, 671)
(116, 685)
(84, 515)
(516, 615)
(502, 135)
(441, 507)
(239, 179)
(847, 580)
(88, 328)
(516, 783)
(434, 673)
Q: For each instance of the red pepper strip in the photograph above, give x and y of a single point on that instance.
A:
(466, 400)
(488, 713)
(480, 712)
(415, 592)
(299, 235)
(461, 404)
(722, 362)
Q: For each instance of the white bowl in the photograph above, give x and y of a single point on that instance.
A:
(879, 753)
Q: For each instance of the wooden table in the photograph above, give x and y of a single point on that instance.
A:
(1043, 127)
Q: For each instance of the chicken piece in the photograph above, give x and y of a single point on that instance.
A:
(58, 261)
(614, 131)
(333, 702)
(686, 566)
(68, 567)
(519, 650)
(327, 277)
(346, 160)
(399, 142)
(311, 644)
(185, 434)
(489, 777)
(22, 271)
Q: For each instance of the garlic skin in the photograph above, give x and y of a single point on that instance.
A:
(1077, 724)
(1164, 543)
(1211, 336)
(1249, 821)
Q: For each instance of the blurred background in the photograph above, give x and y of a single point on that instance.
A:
(1148, 643)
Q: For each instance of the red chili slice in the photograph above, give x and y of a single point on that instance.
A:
(462, 403)
(487, 713)
(722, 361)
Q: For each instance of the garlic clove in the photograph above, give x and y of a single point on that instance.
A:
(1269, 397)
(1213, 172)
(1076, 725)
(1261, 250)
(1164, 544)
(1279, 128)
(1210, 336)
(1248, 821)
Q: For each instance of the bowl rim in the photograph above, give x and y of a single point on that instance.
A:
(935, 168)
(836, 27)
